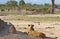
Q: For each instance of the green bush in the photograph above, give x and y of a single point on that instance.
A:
(22, 2)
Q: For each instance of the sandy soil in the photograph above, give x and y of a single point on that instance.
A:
(20, 34)
(51, 29)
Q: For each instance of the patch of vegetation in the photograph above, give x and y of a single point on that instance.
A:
(25, 18)
(28, 7)
(33, 8)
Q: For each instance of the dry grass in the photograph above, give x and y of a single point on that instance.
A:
(27, 18)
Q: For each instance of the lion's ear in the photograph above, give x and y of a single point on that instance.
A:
(33, 25)
(28, 24)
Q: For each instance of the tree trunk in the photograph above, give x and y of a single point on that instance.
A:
(52, 7)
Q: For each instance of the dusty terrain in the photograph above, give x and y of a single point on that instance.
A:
(51, 29)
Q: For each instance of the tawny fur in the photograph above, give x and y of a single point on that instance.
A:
(34, 33)
(12, 29)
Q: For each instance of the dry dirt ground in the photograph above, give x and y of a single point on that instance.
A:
(19, 34)
(51, 29)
